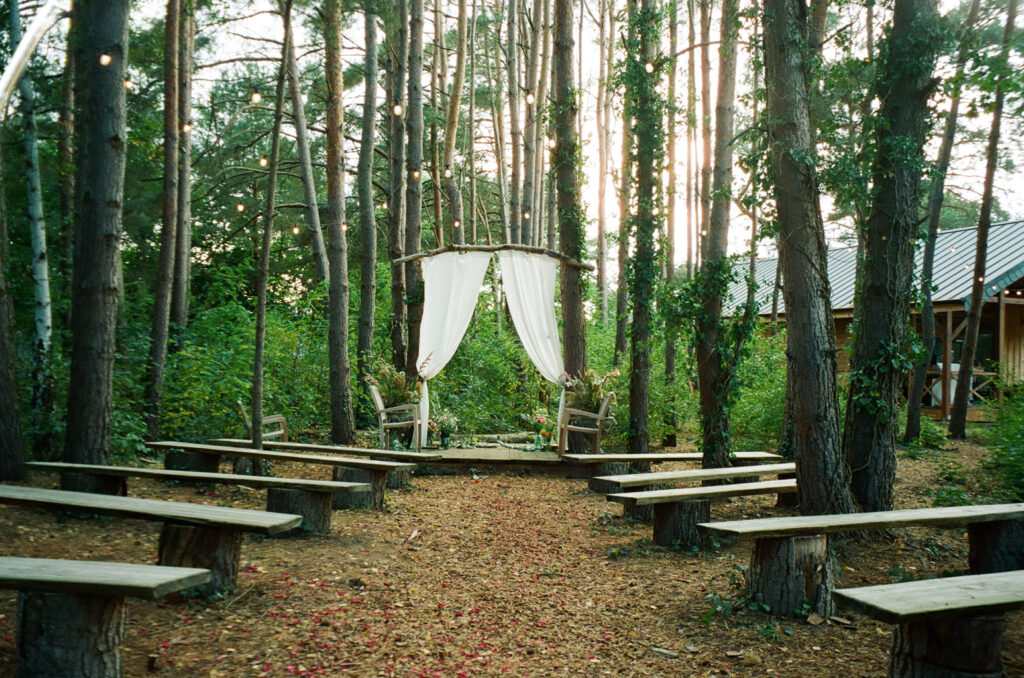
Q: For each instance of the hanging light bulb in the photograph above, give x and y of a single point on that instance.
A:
(551, 143)
(384, 205)
(256, 96)
(344, 226)
(240, 207)
(415, 174)
(526, 215)
(649, 67)
(263, 161)
(187, 127)
(128, 84)
(106, 59)
(295, 229)
(456, 224)
(529, 97)
(396, 108)
(447, 172)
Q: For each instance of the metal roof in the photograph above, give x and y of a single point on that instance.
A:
(953, 268)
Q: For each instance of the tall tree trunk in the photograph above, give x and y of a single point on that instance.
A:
(438, 68)
(705, 125)
(451, 129)
(414, 186)
(511, 50)
(472, 126)
(342, 423)
(367, 220)
(42, 380)
(714, 367)
(66, 174)
(183, 238)
(886, 291)
(263, 271)
(604, 61)
(169, 224)
(670, 228)
(565, 164)
(498, 122)
(12, 450)
(100, 27)
(396, 180)
(935, 197)
(531, 214)
(622, 301)
(692, 186)
(541, 133)
(822, 474)
(958, 416)
(312, 210)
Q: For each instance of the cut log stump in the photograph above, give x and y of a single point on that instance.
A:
(996, 546)
(314, 507)
(787, 573)
(179, 460)
(611, 468)
(86, 482)
(217, 550)
(788, 499)
(949, 647)
(676, 524)
(373, 499)
(69, 634)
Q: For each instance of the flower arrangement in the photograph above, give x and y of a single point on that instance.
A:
(589, 390)
(394, 388)
(541, 422)
(445, 424)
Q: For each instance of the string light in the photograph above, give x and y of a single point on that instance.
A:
(128, 84)
(384, 205)
(106, 59)
(240, 207)
(415, 174)
(263, 161)
(256, 96)
(526, 215)
(447, 172)
(396, 108)
(187, 127)
(344, 226)
(981, 279)
(295, 229)
(649, 67)
(1019, 293)
(529, 97)
(456, 224)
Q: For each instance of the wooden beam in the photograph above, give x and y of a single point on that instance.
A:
(497, 248)
(947, 358)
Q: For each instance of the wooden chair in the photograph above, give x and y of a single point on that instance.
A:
(268, 420)
(389, 422)
(601, 422)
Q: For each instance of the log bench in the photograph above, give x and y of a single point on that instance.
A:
(193, 535)
(790, 564)
(312, 499)
(678, 511)
(948, 628)
(640, 481)
(71, 612)
(204, 457)
(396, 479)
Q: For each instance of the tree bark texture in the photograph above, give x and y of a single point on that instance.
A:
(68, 634)
(184, 460)
(168, 224)
(675, 524)
(12, 450)
(183, 238)
(101, 26)
(531, 211)
(622, 301)
(414, 185)
(670, 231)
(822, 474)
(438, 70)
(314, 507)
(951, 647)
(886, 291)
(603, 151)
(512, 70)
(216, 550)
(979, 289)
(396, 181)
(342, 422)
(66, 169)
(996, 546)
(451, 133)
(788, 572)
(936, 193)
(367, 218)
(705, 125)
(373, 499)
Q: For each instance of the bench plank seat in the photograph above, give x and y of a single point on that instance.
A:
(689, 494)
(122, 580)
(655, 457)
(312, 499)
(71, 613)
(396, 455)
(695, 475)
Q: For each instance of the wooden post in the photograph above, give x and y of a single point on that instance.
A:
(947, 358)
(950, 647)
(70, 634)
(996, 546)
(314, 507)
(215, 549)
(788, 572)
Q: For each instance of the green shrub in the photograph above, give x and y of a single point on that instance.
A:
(1007, 441)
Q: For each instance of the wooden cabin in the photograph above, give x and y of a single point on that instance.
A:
(1000, 351)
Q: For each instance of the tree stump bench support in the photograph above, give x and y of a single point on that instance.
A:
(790, 565)
(945, 628)
(71, 614)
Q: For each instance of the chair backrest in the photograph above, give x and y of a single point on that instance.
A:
(605, 404)
(378, 402)
(245, 418)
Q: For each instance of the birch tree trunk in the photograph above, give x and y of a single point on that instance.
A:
(342, 422)
(396, 180)
(511, 50)
(100, 27)
(367, 220)
(705, 125)
(168, 226)
(451, 129)
(886, 288)
(414, 185)
(438, 66)
(183, 238)
(12, 450)
(936, 194)
(958, 416)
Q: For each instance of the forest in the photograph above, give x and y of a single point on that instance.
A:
(212, 211)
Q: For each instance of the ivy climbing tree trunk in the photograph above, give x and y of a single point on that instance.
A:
(183, 237)
(622, 300)
(367, 219)
(396, 179)
(168, 225)
(705, 123)
(342, 422)
(414, 185)
(100, 27)
(936, 192)
(822, 474)
(12, 451)
(879, 362)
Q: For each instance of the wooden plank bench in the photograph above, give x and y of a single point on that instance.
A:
(204, 457)
(312, 499)
(71, 612)
(396, 455)
(193, 535)
(678, 511)
(790, 562)
(638, 481)
(657, 457)
(952, 627)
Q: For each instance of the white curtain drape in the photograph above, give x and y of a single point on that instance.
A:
(451, 282)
